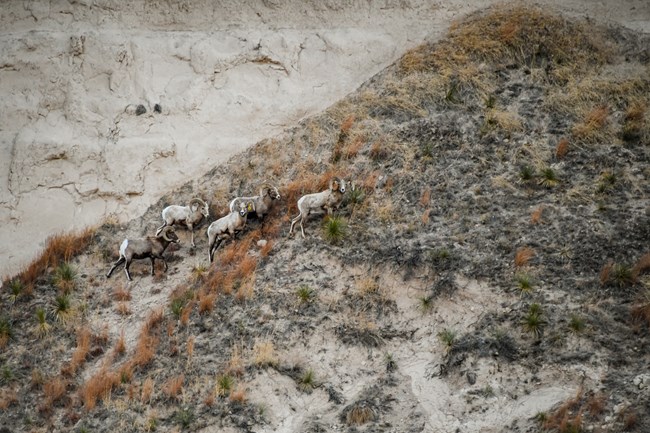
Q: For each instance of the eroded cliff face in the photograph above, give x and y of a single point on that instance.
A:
(107, 105)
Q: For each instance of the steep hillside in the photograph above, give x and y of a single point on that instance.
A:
(488, 271)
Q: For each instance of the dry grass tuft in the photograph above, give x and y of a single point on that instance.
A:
(54, 390)
(236, 362)
(173, 388)
(360, 414)
(120, 345)
(147, 391)
(238, 394)
(641, 267)
(562, 148)
(536, 215)
(523, 256)
(206, 301)
(60, 248)
(98, 386)
(122, 294)
(80, 353)
(123, 308)
(264, 354)
(425, 197)
(592, 127)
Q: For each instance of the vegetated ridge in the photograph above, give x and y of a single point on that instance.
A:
(488, 271)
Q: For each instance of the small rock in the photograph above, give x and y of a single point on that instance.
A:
(157, 108)
(471, 377)
(262, 243)
(140, 110)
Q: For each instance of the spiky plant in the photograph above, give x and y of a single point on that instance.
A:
(225, 383)
(16, 288)
(307, 380)
(62, 308)
(576, 323)
(305, 294)
(526, 173)
(524, 283)
(42, 327)
(6, 331)
(448, 337)
(533, 322)
(184, 417)
(549, 178)
(426, 303)
(335, 230)
(65, 277)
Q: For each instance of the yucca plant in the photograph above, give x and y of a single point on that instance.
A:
(16, 288)
(62, 308)
(42, 327)
(576, 324)
(225, 383)
(65, 277)
(307, 381)
(6, 331)
(533, 322)
(549, 178)
(448, 338)
(334, 230)
(524, 282)
(305, 294)
(526, 173)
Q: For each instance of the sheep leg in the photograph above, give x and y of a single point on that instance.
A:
(213, 248)
(115, 265)
(159, 229)
(126, 269)
(294, 221)
(192, 234)
(153, 259)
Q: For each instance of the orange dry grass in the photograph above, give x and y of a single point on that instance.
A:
(562, 148)
(266, 249)
(120, 345)
(425, 198)
(54, 390)
(147, 390)
(58, 249)
(606, 272)
(98, 386)
(145, 350)
(81, 351)
(174, 387)
(238, 395)
(123, 308)
(236, 363)
(536, 215)
(642, 266)
(186, 313)
(121, 293)
(190, 347)
(7, 398)
(206, 301)
(523, 256)
(592, 125)
(352, 149)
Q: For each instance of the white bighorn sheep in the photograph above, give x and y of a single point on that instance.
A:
(325, 200)
(151, 247)
(189, 216)
(262, 202)
(228, 226)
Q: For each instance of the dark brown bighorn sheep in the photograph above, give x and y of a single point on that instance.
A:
(320, 201)
(228, 226)
(151, 247)
(188, 216)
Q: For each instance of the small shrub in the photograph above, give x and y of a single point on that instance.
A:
(425, 303)
(264, 354)
(576, 323)
(6, 331)
(16, 287)
(448, 338)
(334, 230)
(360, 413)
(199, 271)
(533, 322)
(526, 173)
(562, 148)
(238, 395)
(307, 380)
(606, 183)
(549, 178)
(173, 387)
(63, 308)
(523, 256)
(184, 417)
(147, 390)
(536, 215)
(42, 327)
(65, 277)
(305, 294)
(524, 282)
(224, 385)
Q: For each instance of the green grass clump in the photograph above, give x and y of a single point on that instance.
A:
(335, 230)
(307, 380)
(65, 277)
(225, 384)
(16, 288)
(305, 294)
(533, 322)
(448, 337)
(42, 327)
(576, 323)
(524, 283)
(549, 178)
(62, 308)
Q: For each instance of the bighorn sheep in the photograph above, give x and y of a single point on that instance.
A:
(151, 247)
(228, 226)
(325, 200)
(262, 202)
(189, 216)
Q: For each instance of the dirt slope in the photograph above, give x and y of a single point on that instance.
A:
(488, 272)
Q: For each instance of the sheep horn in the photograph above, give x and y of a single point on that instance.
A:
(165, 232)
(334, 183)
(197, 200)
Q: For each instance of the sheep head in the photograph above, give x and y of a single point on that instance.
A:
(196, 204)
(270, 190)
(168, 234)
(337, 184)
(244, 207)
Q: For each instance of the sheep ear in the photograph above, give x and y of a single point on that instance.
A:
(335, 185)
(250, 207)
